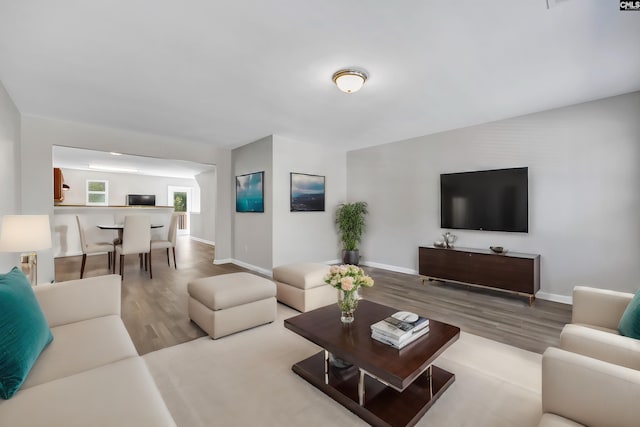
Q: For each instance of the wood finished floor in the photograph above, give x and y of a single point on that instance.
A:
(154, 311)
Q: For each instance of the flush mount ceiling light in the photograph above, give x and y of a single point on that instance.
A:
(349, 81)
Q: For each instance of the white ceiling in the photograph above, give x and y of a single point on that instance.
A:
(77, 158)
(231, 72)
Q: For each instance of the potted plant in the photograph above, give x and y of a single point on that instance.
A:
(350, 222)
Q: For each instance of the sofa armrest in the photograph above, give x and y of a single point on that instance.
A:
(76, 300)
(589, 391)
(599, 307)
(612, 348)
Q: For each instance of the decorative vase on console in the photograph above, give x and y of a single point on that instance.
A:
(449, 239)
(347, 279)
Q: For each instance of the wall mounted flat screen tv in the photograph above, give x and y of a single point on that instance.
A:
(141, 199)
(492, 200)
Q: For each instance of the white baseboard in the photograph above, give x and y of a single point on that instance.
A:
(207, 242)
(555, 297)
(245, 265)
(390, 267)
(333, 261)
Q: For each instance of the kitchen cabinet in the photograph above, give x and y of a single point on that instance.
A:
(58, 181)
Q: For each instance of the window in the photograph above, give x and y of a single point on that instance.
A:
(180, 201)
(97, 192)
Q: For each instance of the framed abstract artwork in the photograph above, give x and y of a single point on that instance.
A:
(307, 192)
(250, 192)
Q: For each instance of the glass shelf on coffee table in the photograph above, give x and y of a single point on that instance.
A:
(384, 386)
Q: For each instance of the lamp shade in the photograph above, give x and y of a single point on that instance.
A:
(25, 233)
(349, 81)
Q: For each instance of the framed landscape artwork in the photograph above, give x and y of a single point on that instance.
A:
(250, 192)
(307, 192)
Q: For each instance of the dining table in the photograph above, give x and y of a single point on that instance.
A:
(120, 228)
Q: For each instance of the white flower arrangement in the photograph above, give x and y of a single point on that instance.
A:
(347, 278)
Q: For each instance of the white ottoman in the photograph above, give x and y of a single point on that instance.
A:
(228, 303)
(300, 286)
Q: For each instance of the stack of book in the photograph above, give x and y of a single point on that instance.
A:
(399, 333)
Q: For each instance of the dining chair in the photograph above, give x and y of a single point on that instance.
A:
(136, 239)
(170, 243)
(93, 248)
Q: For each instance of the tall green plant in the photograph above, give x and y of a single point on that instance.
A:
(350, 222)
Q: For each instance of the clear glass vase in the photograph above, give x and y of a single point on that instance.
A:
(347, 301)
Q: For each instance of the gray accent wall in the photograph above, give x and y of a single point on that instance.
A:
(306, 236)
(9, 167)
(584, 192)
(253, 231)
(279, 236)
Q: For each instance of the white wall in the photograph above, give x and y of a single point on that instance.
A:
(584, 192)
(40, 134)
(121, 184)
(306, 236)
(253, 231)
(203, 222)
(9, 167)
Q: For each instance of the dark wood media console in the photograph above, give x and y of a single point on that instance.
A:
(511, 271)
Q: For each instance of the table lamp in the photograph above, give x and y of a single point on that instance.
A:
(27, 234)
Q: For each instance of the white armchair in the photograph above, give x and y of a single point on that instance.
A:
(582, 391)
(594, 328)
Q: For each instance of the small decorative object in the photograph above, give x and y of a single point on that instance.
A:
(347, 279)
(307, 192)
(497, 249)
(449, 239)
(438, 244)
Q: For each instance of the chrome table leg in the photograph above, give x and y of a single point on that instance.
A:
(361, 388)
(326, 367)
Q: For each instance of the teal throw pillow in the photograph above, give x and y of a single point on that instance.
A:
(629, 325)
(24, 332)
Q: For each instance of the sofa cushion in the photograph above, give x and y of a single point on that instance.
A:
(81, 346)
(77, 300)
(119, 394)
(24, 332)
(629, 325)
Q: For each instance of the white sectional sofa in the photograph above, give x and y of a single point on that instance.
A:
(593, 330)
(579, 390)
(91, 373)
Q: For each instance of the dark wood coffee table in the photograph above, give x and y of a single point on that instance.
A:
(385, 386)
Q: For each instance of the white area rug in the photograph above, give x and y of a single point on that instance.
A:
(246, 379)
